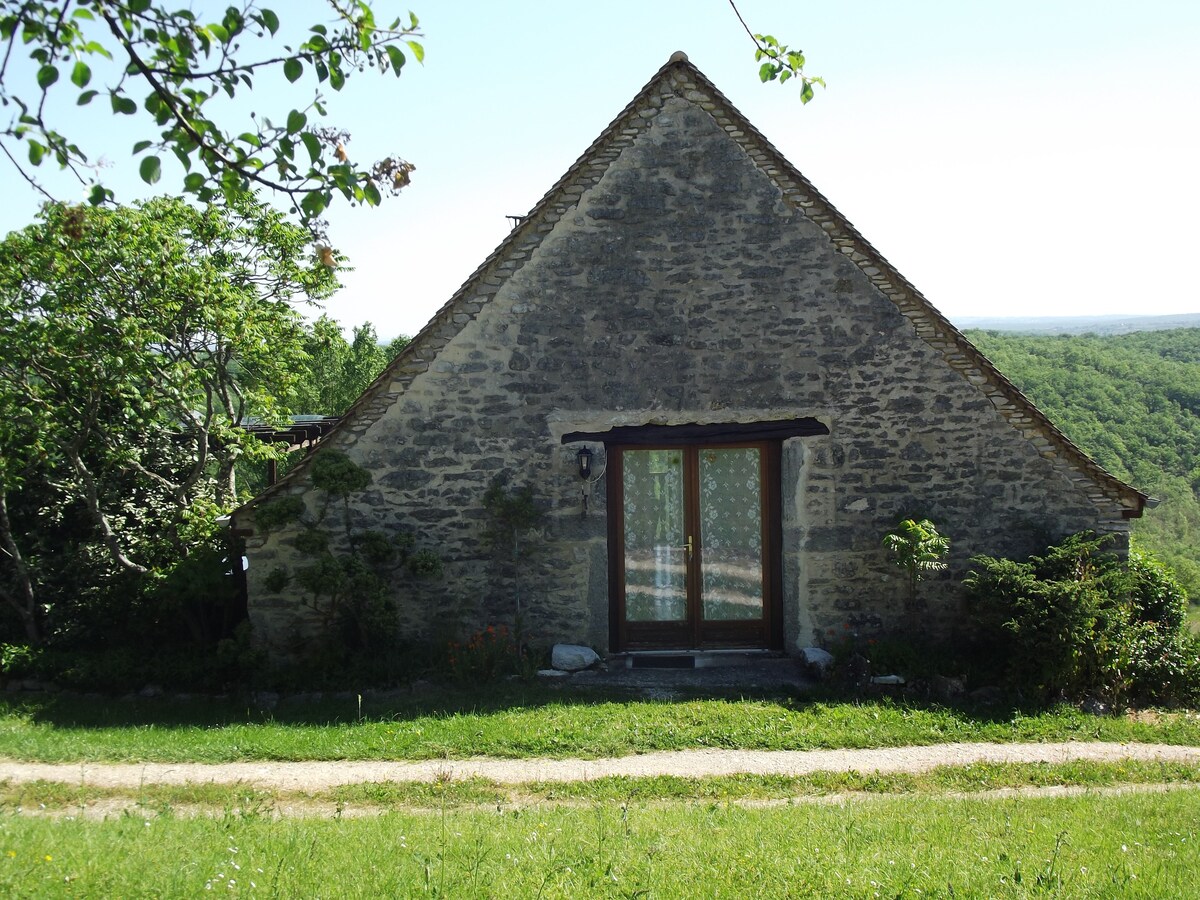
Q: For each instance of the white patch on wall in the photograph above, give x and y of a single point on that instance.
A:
(862, 504)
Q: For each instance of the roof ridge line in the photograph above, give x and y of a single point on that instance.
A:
(799, 193)
(408, 361)
(902, 286)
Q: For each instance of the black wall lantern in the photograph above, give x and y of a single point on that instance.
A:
(584, 458)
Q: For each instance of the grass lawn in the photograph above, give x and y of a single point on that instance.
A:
(522, 721)
(1085, 846)
(901, 835)
(374, 797)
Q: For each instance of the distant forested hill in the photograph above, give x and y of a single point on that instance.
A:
(1132, 401)
(1050, 325)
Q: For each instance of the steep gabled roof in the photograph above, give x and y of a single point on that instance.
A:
(680, 78)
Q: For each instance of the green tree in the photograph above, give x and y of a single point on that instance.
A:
(133, 344)
(349, 573)
(168, 69)
(1132, 402)
(337, 371)
(917, 548)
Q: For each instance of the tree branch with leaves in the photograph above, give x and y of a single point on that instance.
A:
(778, 62)
(168, 67)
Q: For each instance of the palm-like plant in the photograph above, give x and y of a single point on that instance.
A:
(916, 547)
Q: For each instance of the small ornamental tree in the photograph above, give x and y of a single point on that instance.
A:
(349, 572)
(513, 514)
(916, 547)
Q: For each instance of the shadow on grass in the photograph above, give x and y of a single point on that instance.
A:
(426, 700)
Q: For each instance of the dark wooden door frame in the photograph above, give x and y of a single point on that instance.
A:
(766, 633)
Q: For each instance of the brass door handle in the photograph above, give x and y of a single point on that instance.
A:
(689, 547)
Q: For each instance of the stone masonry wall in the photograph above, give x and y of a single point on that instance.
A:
(676, 283)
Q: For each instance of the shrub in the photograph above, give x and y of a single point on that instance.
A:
(490, 655)
(349, 572)
(1077, 621)
(1155, 592)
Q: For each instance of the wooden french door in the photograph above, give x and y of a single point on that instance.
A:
(694, 534)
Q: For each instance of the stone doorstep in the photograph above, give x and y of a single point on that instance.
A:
(719, 671)
(695, 659)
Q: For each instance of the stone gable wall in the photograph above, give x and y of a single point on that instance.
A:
(681, 286)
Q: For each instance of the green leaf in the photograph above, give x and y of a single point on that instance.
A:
(150, 169)
(36, 152)
(336, 78)
(312, 144)
(86, 97)
(99, 194)
(417, 49)
(46, 76)
(313, 204)
(766, 72)
(81, 74)
(123, 105)
(233, 22)
(139, 6)
(140, 146)
(807, 93)
(96, 47)
(371, 194)
(292, 69)
(296, 120)
(193, 182)
(396, 55)
(269, 19)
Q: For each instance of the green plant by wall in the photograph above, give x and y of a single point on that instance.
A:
(491, 655)
(916, 547)
(513, 516)
(1077, 620)
(347, 581)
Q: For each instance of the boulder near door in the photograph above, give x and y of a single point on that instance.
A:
(694, 541)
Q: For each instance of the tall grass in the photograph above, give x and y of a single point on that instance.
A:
(1128, 846)
(517, 724)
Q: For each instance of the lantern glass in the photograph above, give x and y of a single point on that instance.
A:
(584, 458)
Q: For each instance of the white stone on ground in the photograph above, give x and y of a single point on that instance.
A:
(572, 657)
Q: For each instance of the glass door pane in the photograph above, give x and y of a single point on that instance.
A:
(731, 530)
(655, 540)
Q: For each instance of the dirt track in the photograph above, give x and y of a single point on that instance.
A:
(317, 776)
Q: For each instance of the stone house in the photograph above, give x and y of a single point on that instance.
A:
(755, 393)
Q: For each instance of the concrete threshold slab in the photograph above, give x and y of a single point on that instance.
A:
(681, 672)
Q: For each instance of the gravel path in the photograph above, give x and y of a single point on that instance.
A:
(316, 776)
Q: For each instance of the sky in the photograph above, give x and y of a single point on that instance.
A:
(1017, 158)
